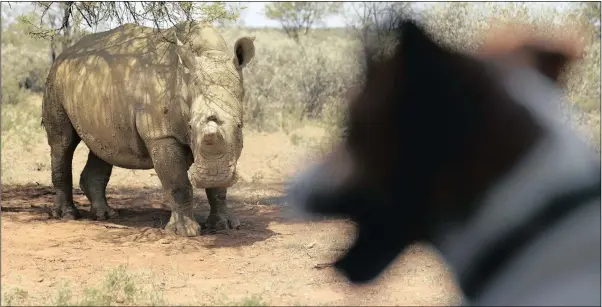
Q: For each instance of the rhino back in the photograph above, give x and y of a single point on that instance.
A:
(119, 88)
(146, 41)
(200, 36)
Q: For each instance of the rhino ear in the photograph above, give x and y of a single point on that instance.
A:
(244, 50)
(185, 56)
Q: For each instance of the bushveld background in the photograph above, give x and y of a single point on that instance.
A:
(296, 92)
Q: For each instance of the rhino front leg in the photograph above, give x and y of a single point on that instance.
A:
(171, 161)
(93, 181)
(219, 215)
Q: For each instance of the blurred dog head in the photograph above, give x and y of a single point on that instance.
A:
(430, 130)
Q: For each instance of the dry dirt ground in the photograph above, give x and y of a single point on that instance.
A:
(273, 258)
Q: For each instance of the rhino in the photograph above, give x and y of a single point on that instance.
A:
(147, 98)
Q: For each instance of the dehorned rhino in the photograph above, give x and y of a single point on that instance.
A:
(141, 98)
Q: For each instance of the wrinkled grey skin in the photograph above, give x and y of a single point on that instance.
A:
(140, 100)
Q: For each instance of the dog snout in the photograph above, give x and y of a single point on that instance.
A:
(320, 181)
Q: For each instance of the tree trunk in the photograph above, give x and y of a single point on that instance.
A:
(52, 51)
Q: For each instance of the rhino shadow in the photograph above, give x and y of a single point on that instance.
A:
(143, 213)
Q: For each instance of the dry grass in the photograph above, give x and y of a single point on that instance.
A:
(120, 286)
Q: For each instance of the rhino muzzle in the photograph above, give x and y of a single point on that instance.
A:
(215, 160)
(216, 143)
(211, 135)
(214, 172)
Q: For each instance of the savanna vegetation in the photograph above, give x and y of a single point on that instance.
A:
(317, 86)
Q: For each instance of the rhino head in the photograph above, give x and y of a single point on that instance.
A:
(214, 90)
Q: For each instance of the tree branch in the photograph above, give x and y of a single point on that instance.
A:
(83, 16)
(132, 11)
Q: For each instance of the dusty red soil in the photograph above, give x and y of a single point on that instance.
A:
(273, 255)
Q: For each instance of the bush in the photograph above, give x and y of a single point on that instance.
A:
(11, 93)
(23, 58)
(288, 83)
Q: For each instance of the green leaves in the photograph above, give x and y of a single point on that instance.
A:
(63, 18)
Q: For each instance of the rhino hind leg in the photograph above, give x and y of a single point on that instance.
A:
(93, 181)
(63, 140)
(219, 217)
(171, 163)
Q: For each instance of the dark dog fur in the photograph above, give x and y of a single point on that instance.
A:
(431, 130)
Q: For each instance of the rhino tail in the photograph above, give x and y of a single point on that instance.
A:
(45, 99)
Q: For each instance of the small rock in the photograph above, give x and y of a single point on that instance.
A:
(312, 244)
(41, 279)
(164, 241)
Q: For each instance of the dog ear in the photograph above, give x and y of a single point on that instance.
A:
(420, 56)
(417, 48)
(414, 39)
(523, 45)
(551, 62)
